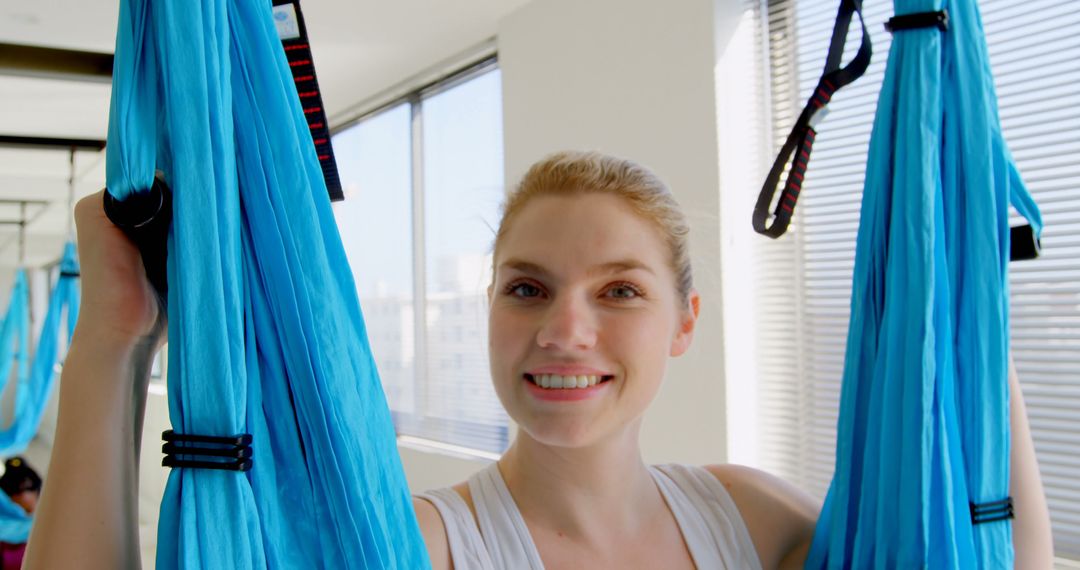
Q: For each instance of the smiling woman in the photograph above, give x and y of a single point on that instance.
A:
(592, 294)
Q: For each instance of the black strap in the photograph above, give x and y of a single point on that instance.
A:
(66, 273)
(940, 20)
(992, 512)
(802, 135)
(293, 33)
(225, 453)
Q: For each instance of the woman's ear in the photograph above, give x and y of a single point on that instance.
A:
(687, 319)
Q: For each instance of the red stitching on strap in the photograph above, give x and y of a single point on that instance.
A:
(299, 62)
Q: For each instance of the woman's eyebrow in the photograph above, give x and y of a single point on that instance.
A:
(619, 267)
(601, 269)
(525, 267)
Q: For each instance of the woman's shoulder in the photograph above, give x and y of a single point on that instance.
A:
(433, 526)
(779, 516)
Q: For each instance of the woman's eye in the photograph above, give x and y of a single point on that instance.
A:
(623, 292)
(525, 290)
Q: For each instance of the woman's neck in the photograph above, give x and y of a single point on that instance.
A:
(582, 491)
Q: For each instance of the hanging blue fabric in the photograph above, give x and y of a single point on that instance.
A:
(14, 337)
(265, 331)
(924, 413)
(34, 382)
(14, 522)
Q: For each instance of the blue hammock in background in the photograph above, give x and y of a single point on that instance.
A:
(923, 437)
(35, 381)
(265, 332)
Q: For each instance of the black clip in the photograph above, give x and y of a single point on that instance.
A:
(1023, 243)
(69, 274)
(940, 20)
(992, 512)
(228, 453)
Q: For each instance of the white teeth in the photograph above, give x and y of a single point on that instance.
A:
(559, 382)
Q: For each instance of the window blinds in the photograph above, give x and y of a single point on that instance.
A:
(804, 295)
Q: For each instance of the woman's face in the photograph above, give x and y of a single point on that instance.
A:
(28, 500)
(583, 290)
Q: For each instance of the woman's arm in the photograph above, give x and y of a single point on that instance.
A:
(88, 514)
(781, 518)
(1032, 539)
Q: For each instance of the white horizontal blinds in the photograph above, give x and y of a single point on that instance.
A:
(802, 343)
(783, 413)
(1035, 56)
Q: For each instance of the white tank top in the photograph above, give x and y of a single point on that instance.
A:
(497, 538)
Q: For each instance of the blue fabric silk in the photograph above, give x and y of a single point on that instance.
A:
(265, 331)
(36, 381)
(924, 409)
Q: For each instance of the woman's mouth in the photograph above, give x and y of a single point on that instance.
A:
(560, 387)
(561, 382)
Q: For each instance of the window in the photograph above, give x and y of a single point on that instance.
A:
(1035, 56)
(423, 181)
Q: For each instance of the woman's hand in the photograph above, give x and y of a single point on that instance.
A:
(119, 306)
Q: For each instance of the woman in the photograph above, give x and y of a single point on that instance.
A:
(592, 293)
(23, 485)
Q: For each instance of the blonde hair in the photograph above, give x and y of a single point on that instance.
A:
(571, 173)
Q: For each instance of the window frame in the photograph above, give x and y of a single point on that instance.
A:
(414, 93)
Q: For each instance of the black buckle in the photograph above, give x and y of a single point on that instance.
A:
(940, 20)
(224, 453)
(992, 512)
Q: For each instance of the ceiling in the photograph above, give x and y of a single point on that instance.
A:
(360, 47)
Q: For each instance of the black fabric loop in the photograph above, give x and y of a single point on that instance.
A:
(206, 451)
(992, 511)
(939, 20)
(800, 141)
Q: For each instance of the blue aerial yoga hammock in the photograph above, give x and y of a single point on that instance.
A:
(265, 332)
(34, 380)
(923, 436)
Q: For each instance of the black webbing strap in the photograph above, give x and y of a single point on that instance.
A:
(939, 20)
(992, 512)
(292, 31)
(800, 142)
(228, 453)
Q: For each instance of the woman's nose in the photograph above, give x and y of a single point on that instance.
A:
(568, 325)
